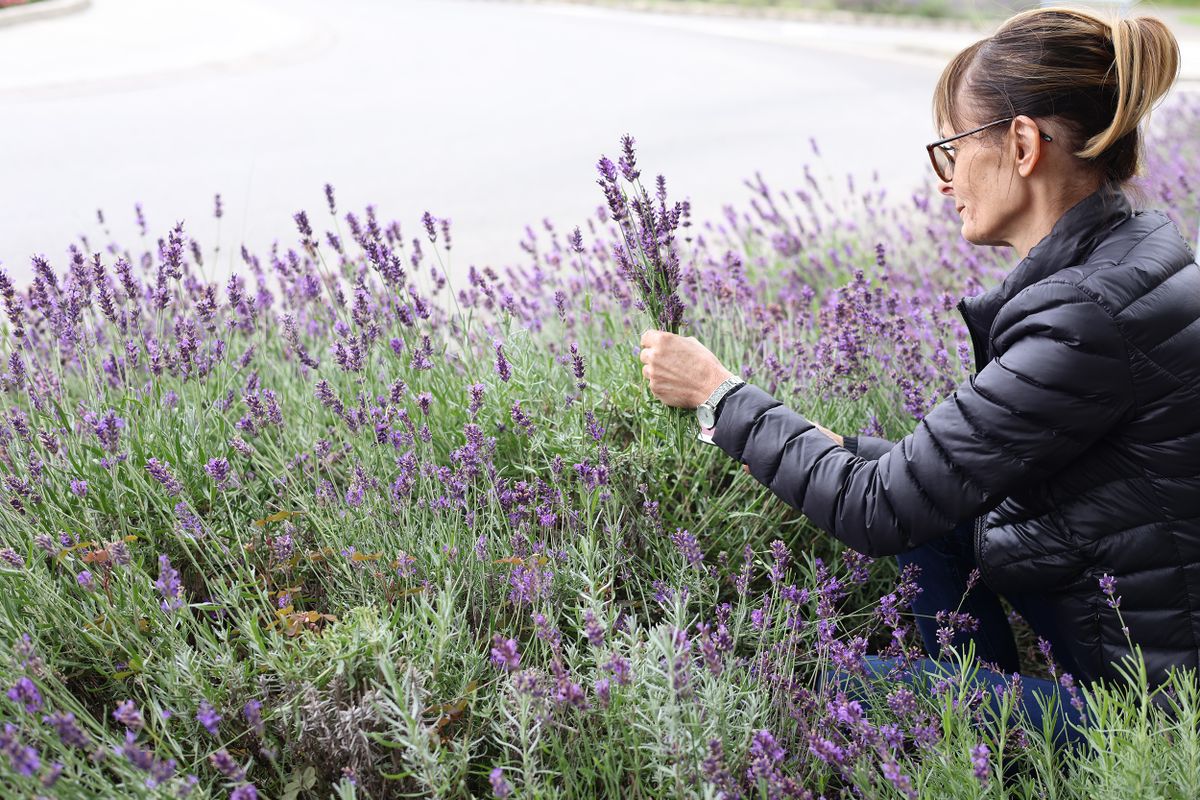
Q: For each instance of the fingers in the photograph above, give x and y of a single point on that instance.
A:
(746, 468)
(651, 337)
(644, 355)
(646, 371)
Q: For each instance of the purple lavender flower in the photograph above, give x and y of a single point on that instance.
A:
(86, 580)
(161, 472)
(52, 775)
(223, 763)
(25, 694)
(208, 717)
(595, 633)
(827, 751)
(500, 787)
(688, 547)
(476, 391)
(424, 399)
(529, 583)
(502, 366)
(524, 424)
(608, 172)
(1108, 585)
(765, 757)
(627, 160)
(896, 777)
(169, 585)
(217, 469)
(128, 715)
(108, 430)
(782, 557)
(161, 771)
(244, 792)
(188, 521)
(253, 713)
(421, 356)
(577, 367)
(902, 702)
(504, 653)
(24, 758)
(595, 429)
(618, 665)
(139, 757)
(406, 565)
(979, 762)
(973, 578)
(714, 770)
(12, 557)
(1067, 682)
(79, 488)
(302, 225)
(427, 220)
(68, 731)
(603, 690)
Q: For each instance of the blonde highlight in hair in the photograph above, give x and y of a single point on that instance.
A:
(1096, 76)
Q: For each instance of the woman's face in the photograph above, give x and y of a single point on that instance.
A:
(981, 184)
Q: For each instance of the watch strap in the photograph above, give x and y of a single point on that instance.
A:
(721, 402)
(718, 394)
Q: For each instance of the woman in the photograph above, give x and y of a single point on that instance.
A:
(1074, 451)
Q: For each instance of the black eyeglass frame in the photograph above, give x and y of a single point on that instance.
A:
(950, 155)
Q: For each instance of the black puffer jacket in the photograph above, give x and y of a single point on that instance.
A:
(1076, 444)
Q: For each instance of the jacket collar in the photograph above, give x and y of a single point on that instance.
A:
(1072, 239)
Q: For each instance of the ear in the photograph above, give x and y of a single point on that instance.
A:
(1027, 143)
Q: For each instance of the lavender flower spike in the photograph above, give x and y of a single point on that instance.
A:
(168, 585)
(161, 472)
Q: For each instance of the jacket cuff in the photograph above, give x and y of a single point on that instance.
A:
(741, 411)
(871, 448)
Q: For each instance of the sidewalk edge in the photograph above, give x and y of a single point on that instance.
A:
(45, 9)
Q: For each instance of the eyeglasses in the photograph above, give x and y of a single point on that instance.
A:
(942, 155)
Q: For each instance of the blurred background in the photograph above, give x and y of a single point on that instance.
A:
(491, 113)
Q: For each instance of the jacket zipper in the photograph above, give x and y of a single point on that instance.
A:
(980, 524)
(978, 338)
(979, 346)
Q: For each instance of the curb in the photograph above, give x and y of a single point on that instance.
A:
(692, 8)
(44, 9)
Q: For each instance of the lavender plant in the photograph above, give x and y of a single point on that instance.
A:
(321, 529)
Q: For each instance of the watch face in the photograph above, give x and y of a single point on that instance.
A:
(705, 415)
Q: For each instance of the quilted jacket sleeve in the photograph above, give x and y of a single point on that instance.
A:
(1060, 382)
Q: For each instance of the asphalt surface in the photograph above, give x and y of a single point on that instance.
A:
(492, 114)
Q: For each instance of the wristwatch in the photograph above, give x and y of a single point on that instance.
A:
(706, 412)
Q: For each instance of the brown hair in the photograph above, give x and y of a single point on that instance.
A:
(1093, 76)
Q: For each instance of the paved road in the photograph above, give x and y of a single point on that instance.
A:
(492, 114)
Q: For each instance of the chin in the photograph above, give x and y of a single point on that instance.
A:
(982, 239)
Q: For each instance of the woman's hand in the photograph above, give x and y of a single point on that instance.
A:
(682, 372)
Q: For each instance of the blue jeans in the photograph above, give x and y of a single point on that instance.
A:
(945, 566)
